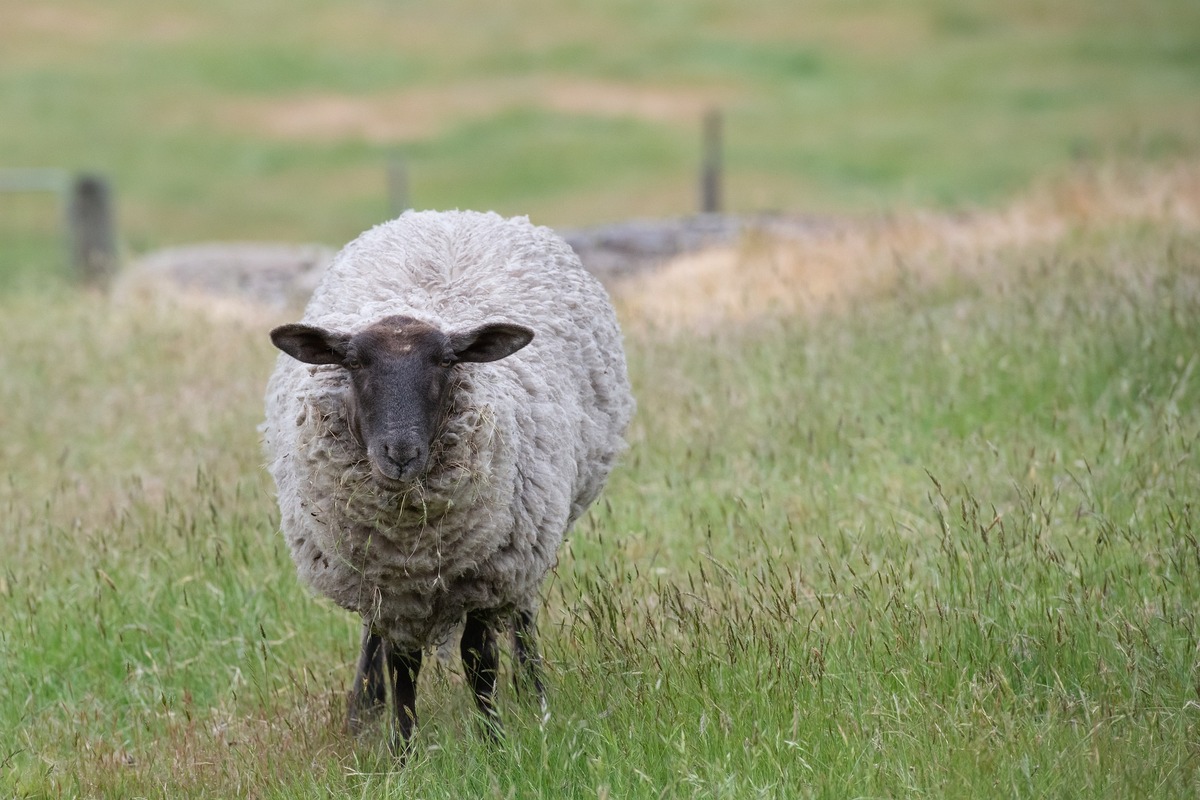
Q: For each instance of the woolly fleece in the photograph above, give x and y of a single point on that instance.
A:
(527, 446)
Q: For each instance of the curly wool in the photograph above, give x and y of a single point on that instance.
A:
(527, 445)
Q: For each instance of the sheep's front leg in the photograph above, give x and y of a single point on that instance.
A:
(405, 667)
(367, 694)
(529, 660)
(481, 662)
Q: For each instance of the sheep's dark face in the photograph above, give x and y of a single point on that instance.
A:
(401, 376)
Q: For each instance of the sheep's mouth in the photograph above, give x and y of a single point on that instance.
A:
(389, 483)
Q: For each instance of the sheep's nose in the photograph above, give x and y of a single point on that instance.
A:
(407, 457)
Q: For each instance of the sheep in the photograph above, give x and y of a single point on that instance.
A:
(452, 401)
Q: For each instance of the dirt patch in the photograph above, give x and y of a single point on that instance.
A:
(426, 112)
(653, 104)
(80, 25)
(330, 117)
(89, 25)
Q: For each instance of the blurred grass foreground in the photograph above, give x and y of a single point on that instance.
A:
(910, 505)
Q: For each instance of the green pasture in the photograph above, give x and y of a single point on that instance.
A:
(945, 545)
(275, 120)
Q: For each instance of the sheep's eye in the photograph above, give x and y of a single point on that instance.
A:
(448, 361)
(353, 363)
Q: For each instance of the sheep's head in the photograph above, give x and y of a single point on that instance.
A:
(400, 377)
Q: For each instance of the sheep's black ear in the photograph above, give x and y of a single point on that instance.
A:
(311, 344)
(489, 342)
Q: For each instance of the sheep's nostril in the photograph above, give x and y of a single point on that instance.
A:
(401, 454)
(408, 459)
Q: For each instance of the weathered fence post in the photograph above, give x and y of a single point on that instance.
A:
(710, 167)
(397, 185)
(92, 229)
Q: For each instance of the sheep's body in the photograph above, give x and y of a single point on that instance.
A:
(528, 443)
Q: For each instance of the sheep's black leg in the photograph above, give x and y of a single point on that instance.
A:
(405, 667)
(529, 662)
(367, 696)
(481, 661)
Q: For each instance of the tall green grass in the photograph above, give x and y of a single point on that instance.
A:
(943, 544)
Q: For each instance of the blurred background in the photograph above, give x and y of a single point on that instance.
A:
(283, 121)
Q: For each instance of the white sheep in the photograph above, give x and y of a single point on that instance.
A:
(452, 402)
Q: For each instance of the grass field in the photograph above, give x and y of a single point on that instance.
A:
(910, 507)
(275, 120)
(938, 540)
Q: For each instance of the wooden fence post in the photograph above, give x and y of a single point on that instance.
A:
(92, 229)
(710, 168)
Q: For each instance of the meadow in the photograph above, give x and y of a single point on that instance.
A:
(938, 539)
(276, 120)
(910, 505)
